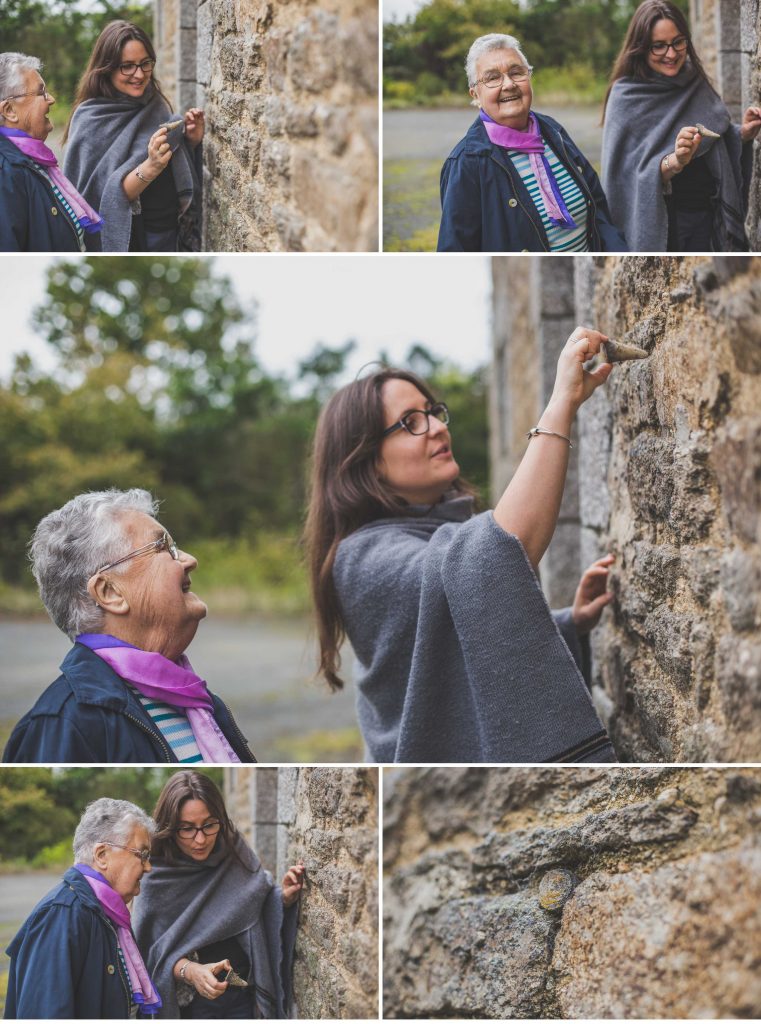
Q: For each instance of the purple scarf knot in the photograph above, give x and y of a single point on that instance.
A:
(532, 143)
(90, 220)
(143, 990)
(173, 682)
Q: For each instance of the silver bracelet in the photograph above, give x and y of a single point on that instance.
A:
(142, 177)
(541, 430)
(183, 969)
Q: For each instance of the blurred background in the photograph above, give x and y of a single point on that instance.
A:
(570, 43)
(200, 379)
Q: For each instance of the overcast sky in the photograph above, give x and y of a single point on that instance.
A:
(383, 301)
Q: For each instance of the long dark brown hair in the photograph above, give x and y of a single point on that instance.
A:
(105, 59)
(347, 492)
(631, 61)
(183, 786)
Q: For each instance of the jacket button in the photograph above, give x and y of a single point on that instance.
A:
(512, 202)
(54, 211)
(110, 968)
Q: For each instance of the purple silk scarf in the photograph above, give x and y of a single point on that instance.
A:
(175, 683)
(89, 219)
(143, 990)
(532, 143)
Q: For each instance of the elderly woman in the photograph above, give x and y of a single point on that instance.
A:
(75, 956)
(676, 170)
(459, 656)
(517, 182)
(115, 582)
(40, 209)
(216, 933)
(129, 155)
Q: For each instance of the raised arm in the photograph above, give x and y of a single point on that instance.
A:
(530, 506)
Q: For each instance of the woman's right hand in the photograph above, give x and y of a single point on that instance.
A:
(685, 147)
(574, 384)
(159, 152)
(203, 978)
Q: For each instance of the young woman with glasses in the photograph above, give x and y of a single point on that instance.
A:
(127, 152)
(675, 169)
(459, 658)
(212, 926)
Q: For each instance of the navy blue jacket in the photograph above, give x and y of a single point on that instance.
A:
(90, 714)
(31, 218)
(65, 961)
(485, 207)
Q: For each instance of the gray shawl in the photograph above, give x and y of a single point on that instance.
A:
(642, 121)
(107, 140)
(186, 906)
(459, 656)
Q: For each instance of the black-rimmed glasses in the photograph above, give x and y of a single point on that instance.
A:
(678, 45)
(210, 828)
(163, 543)
(417, 421)
(146, 66)
(142, 855)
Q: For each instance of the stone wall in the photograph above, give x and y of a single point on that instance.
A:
(328, 818)
(572, 893)
(668, 462)
(290, 92)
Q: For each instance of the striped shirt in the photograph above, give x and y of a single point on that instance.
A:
(559, 239)
(64, 202)
(174, 726)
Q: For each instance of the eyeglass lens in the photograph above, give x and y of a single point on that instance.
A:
(190, 831)
(417, 421)
(678, 44)
(145, 66)
(494, 77)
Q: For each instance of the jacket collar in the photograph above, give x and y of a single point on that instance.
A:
(477, 141)
(92, 681)
(76, 881)
(14, 155)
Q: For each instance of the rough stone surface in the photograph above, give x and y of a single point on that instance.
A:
(327, 818)
(668, 480)
(650, 875)
(290, 93)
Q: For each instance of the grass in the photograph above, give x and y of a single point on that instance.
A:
(340, 745)
(411, 205)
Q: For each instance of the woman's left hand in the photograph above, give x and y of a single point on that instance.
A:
(293, 882)
(751, 124)
(195, 126)
(591, 595)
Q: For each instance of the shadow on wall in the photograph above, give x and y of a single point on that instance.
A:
(667, 477)
(591, 893)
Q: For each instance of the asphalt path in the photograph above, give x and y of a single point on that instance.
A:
(19, 894)
(262, 668)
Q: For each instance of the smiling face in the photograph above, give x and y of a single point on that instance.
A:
(508, 103)
(163, 612)
(418, 467)
(671, 62)
(121, 868)
(195, 813)
(28, 110)
(135, 83)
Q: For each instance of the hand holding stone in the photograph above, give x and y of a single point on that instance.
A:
(574, 384)
(159, 152)
(687, 142)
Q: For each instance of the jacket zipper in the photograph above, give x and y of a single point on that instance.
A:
(152, 734)
(67, 219)
(545, 246)
(242, 738)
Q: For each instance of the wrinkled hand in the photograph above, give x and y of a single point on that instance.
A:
(195, 126)
(687, 142)
(293, 883)
(159, 152)
(751, 124)
(203, 978)
(591, 595)
(574, 384)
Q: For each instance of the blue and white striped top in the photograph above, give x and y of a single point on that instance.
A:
(67, 207)
(559, 239)
(174, 726)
